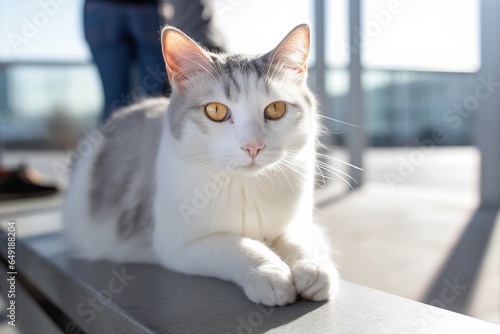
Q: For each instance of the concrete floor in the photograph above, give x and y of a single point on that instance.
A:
(393, 234)
(396, 237)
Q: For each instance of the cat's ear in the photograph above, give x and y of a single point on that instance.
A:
(293, 51)
(183, 57)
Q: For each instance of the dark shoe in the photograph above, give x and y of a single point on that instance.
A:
(23, 183)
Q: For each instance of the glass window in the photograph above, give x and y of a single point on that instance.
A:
(43, 30)
(426, 35)
(257, 26)
(337, 37)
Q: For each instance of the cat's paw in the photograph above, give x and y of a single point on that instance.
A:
(314, 280)
(271, 284)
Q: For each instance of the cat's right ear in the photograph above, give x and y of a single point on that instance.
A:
(183, 57)
(293, 51)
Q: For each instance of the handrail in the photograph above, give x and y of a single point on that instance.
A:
(45, 63)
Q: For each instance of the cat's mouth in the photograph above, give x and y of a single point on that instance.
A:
(251, 168)
(255, 167)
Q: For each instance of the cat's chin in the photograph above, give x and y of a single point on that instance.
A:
(254, 169)
(251, 169)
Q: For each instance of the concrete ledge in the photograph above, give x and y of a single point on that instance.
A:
(103, 297)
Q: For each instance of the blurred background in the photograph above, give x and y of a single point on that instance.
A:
(408, 93)
(417, 61)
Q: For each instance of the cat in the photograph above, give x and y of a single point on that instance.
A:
(217, 181)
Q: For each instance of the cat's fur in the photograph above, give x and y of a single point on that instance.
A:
(167, 184)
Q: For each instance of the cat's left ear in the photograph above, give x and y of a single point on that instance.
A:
(183, 57)
(293, 51)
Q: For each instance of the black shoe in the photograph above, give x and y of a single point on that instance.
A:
(23, 183)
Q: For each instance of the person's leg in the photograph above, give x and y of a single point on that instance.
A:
(110, 46)
(145, 26)
(195, 18)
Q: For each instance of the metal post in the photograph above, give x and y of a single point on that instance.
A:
(356, 137)
(4, 106)
(464, 262)
(488, 117)
(319, 18)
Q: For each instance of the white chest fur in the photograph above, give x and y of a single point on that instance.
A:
(221, 202)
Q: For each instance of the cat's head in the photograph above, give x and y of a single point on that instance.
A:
(247, 112)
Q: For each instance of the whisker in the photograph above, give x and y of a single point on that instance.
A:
(265, 173)
(345, 181)
(289, 165)
(286, 177)
(342, 161)
(329, 168)
(322, 176)
(342, 122)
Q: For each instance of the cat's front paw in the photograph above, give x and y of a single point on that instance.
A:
(270, 284)
(314, 280)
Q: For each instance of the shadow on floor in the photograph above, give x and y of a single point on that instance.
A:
(454, 285)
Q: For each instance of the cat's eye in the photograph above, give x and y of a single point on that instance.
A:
(275, 110)
(217, 112)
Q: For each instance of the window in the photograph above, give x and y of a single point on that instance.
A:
(46, 30)
(425, 35)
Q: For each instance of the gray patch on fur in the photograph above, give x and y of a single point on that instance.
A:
(198, 121)
(123, 172)
(307, 98)
(231, 85)
(176, 118)
(137, 218)
(245, 65)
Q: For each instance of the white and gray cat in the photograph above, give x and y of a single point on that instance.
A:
(218, 180)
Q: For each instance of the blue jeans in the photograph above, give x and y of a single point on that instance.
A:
(120, 35)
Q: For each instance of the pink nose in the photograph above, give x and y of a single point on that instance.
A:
(253, 148)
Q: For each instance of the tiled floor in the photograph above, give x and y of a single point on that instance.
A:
(390, 236)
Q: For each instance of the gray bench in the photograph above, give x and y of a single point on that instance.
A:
(55, 294)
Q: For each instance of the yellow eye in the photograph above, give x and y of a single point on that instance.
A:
(275, 110)
(217, 112)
